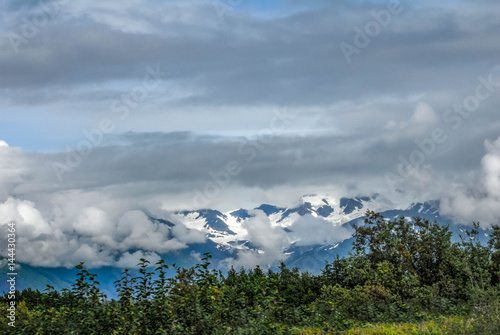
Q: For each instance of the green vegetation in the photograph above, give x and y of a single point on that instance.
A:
(400, 278)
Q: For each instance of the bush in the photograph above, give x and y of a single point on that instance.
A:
(408, 274)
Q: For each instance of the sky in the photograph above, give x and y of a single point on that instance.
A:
(148, 105)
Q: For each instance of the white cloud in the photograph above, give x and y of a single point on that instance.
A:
(66, 236)
(29, 220)
(271, 243)
(491, 168)
(310, 230)
(424, 115)
(93, 222)
(479, 201)
(187, 236)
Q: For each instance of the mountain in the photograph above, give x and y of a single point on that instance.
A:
(241, 215)
(270, 209)
(227, 235)
(213, 220)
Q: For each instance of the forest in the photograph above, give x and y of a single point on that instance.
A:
(401, 277)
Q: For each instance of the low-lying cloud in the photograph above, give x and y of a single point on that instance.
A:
(270, 243)
(480, 200)
(309, 230)
(93, 236)
(102, 212)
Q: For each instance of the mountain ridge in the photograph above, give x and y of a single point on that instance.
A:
(227, 235)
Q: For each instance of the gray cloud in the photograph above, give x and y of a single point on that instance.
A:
(90, 54)
(353, 121)
(99, 212)
(249, 60)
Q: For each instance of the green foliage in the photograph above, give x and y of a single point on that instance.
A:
(402, 277)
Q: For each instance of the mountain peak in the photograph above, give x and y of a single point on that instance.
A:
(213, 219)
(240, 214)
(270, 209)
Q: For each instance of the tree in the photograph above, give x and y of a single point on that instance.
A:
(494, 244)
(415, 247)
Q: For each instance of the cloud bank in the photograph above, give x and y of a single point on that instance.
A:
(140, 104)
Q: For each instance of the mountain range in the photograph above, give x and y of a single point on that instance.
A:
(316, 230)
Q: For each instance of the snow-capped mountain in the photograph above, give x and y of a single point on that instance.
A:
(229, 226)
(316, 229)
(229, 230)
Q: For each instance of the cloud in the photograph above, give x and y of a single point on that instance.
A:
(480, 199)
(491, 169)
(424, 115)
(93, 221)
(225, 79)
(101, 214)
(31, 223)
(93, 236)
(421, 121)
(187, 236)
(14, 167)
(309, 230)
(225, 75)
(270, 243)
